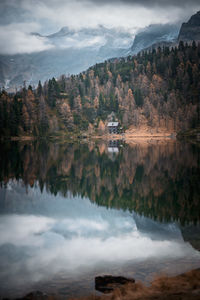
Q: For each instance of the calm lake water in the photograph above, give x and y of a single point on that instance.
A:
(70, 212)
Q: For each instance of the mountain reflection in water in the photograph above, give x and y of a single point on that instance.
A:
(71, 212)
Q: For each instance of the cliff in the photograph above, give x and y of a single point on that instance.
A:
(190, 31)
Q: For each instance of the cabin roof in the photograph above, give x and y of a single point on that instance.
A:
(111, 124)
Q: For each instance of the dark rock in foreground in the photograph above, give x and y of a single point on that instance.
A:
(108, 283)
(37, 295)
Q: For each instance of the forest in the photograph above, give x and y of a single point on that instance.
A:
(156, 88)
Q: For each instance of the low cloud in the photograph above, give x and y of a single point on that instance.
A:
(148, 3)
(113, 13)
(76, 42)
(49, 16)
(17, 39)
(85, 14)
(89, 13)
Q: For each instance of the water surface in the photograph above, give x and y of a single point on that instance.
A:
(70, 212)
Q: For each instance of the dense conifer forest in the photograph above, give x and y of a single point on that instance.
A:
(157, 88)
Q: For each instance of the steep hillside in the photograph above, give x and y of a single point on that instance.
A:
(158, 89)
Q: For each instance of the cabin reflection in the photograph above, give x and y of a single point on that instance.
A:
(113, 146)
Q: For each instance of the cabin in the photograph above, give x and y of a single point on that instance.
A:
(113, 127)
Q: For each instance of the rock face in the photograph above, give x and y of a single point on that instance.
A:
(190, 31)
(71, 52)
(108, 283)
(191, 234)
(154, 34)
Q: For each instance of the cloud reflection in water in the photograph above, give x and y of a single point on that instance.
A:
(53, 234)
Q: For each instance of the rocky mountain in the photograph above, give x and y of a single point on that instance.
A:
(154, 34)
(190, 31)
(72, 52)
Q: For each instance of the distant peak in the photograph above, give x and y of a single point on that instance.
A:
(195, 19)
(191, 30)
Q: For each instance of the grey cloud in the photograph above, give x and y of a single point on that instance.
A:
(79, 13)
(146, 3)
(16, 38)
(51, 15)
(11, 11)
(150, 3)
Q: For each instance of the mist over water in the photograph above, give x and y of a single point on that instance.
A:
(85, 211)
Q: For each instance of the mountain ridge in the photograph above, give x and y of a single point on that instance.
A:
(190, 30)
(75, 50)
(155, 33)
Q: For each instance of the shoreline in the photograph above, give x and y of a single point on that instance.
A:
(127, 136)
(131, 137)
(185, 286)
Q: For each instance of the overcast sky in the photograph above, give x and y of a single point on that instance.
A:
(18, 18)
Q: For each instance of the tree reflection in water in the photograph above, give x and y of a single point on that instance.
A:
(159, 180)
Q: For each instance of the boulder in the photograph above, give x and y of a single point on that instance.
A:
(108, 283)
(36, 295)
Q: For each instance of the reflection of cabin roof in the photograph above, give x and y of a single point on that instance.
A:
(111, 124)
(113, 149)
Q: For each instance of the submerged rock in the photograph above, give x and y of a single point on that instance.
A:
(108, 283)
(37, 295)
